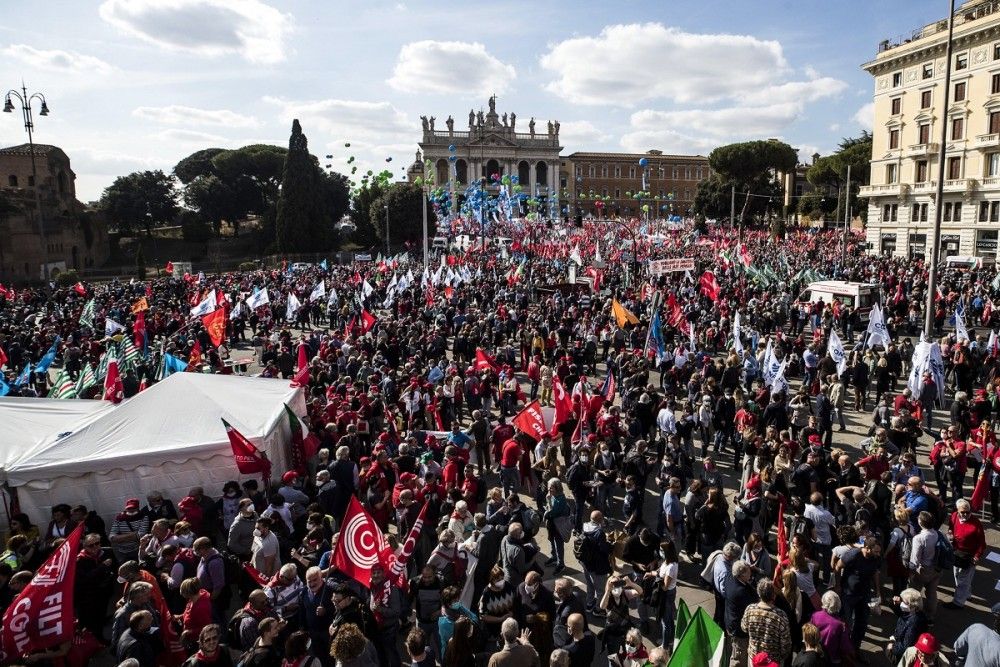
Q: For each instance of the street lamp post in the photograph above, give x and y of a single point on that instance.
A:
(386, 207)
(29, 126)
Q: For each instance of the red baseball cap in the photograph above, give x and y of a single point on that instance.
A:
(927, 643)
(289, 477)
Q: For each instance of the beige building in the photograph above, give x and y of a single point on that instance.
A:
(909, 79)
(74, 236)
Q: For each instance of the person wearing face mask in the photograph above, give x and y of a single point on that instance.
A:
(498, 603)
(451, 611)
(537, 610)
(619, 593)
(228, 506)
(633, 652)
(264, 553)
(968, 538)
(910, 624)
(241, 532)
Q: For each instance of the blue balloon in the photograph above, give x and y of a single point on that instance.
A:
(452, 158)
(451, 148)
(643, 162)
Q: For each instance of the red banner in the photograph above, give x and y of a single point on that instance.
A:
(564, 406)
(484, 362)
(42, 615)
(530, 421)
(215, 325)
(367, 321)
(397, 564)
(113, 389)
(359, 545)
(249, 459)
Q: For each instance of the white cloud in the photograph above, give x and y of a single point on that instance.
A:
(627, 64)
(796, 91)
(462, 68)
(175, 114)
(806, 152)
(668, 141)
(55, 60)
(865, 116)
(730, 121)
(248, 28)
(91, 161)
(578, 134)
(203, 139)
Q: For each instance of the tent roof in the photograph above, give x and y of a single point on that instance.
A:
(172, 421)
(26, 422)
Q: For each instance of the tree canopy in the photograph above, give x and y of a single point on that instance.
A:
(140, 200)
(406, 223)
(750, 167)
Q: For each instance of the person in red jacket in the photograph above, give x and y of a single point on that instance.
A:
(451, 474)
(969, 540)
(510, 457)
(197, 611)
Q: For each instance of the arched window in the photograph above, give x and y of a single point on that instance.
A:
(12, 181)
(541, 173)
(442, 171)
(461, 171)
(493, 167)
(523, 172)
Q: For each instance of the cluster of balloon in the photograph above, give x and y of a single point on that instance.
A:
(495, 178)
(440, 199)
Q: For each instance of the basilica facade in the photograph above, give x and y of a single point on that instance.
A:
(492, 144)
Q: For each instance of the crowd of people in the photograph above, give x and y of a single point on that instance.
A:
(680, 452)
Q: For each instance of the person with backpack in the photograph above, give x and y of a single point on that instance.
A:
(579, 478)
(925, 573)
(898, 550)
(244, 627)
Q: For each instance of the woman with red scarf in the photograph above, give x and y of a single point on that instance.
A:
(211, 652)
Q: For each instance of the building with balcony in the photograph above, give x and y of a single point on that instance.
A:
(909, 78)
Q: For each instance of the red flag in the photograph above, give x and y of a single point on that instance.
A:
(80, 289)
(249, 459)
(3, 357)
(350, 326)
(367, 321)
(709, 286)
(530, 421)
(215, 325)
(303, 446)
(113, 390)
(484, 361)
(170, 268)
(981, 491)
(397, 564)
(255, 574)
(301, 378)
(303, 356)
(194, 359)
(360, 544)
(41, 616)
(782, 537)
(138, 330)
(563, 404)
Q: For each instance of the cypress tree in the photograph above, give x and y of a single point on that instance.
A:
(300, 220)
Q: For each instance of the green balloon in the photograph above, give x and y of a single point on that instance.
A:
(645, 208)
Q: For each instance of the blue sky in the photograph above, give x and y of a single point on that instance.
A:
(139, 84)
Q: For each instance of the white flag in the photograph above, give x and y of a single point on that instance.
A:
(436, 279)
(737, 333)
(292, 306)
(366, 289)
(574, 255)
(393, 282)
(780, 384)
(207, 305)
(771, 364)
(258, 298)
(877, 333)
(961, 333)
(837, 352)
(936, 364)
(920, 362)
(333, 299)
(318, 292)
(111, 327)
(680, 357)
(597, 253)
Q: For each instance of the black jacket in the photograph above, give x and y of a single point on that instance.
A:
(739, 596)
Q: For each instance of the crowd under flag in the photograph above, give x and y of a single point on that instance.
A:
(50, 356)
(206, 305)
(258, 298)
(41, 616)
(530, 421)
(63, 387)
(215, 325)
(877, 334)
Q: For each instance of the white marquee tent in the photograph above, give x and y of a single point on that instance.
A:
(168, 438)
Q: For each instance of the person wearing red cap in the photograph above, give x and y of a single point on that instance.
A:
(925, 653)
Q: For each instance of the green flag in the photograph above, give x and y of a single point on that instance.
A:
(86, 380)
(87, 316)
(683, 620)
(63, 387)
(701, 644)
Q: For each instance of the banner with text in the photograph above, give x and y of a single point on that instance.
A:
(658, 267)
